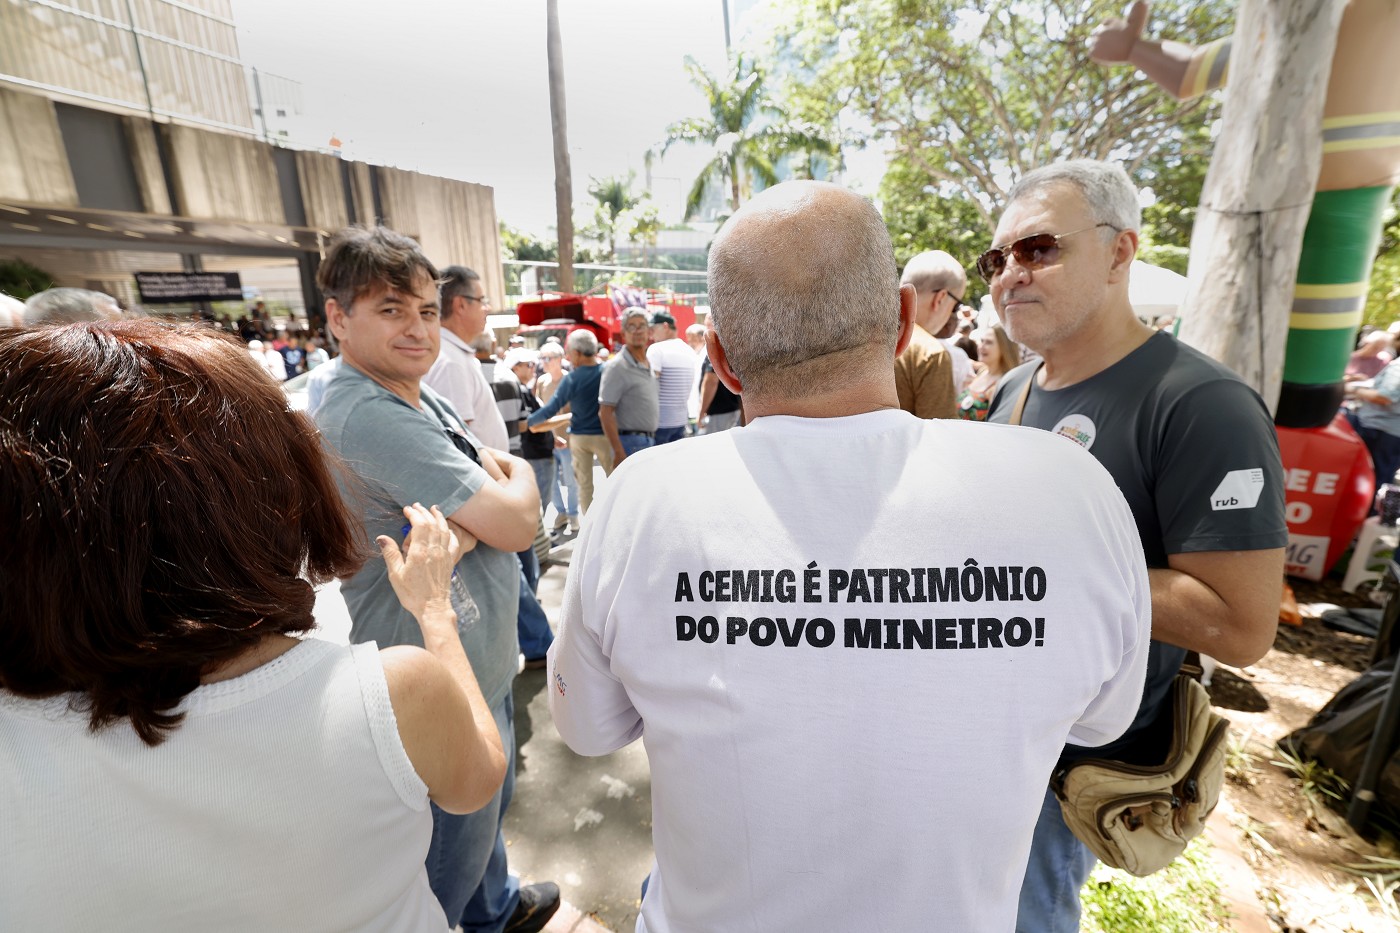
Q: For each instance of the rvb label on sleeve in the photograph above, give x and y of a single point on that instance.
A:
(1240, 489)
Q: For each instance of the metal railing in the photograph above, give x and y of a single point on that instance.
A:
(590, 277)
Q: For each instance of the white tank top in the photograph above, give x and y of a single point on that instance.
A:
(284, 801)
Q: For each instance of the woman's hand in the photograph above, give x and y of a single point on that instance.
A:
(421, 574)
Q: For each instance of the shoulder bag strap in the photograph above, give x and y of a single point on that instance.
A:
(1025, 394)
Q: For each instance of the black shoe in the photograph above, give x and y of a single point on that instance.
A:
(538, 902)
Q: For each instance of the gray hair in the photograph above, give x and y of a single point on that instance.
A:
(455, 280)
(65, 306)
(934, 271)
(551, 350)
(801, 278)
(695, 330)
(1105, 187)
(483, 342)
(635, 311)
(583, 342)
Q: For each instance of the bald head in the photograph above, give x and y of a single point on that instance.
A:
(802, 281)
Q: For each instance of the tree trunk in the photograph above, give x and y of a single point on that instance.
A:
(563, 174)
(734, 183)
(1258, 192)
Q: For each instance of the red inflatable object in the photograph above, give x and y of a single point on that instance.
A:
(1329, 483)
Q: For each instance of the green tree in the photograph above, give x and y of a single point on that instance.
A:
(20, 279)
(970, 98)
(744, 127)
(614, 198)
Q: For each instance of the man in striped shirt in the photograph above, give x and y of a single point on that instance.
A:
(674, 363)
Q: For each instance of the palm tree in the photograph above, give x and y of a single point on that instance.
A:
(745, 128)
(614, 196)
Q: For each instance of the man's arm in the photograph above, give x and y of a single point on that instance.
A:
(503, 513)
(607, 415)
(549, 409)
(1221, 603)
(558, 421)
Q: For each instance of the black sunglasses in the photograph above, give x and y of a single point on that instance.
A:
(1033, 252)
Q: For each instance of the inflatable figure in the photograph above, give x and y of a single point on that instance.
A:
(1360, 164)
(1330, 480)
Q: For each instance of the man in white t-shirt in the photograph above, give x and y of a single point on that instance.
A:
(457, 374)
(675, 364)
(850, 712)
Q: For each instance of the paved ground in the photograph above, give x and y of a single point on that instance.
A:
(584, 823)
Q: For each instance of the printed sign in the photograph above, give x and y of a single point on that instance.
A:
(163, 288)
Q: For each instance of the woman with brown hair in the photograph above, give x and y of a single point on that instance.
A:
(171, 758)
(998, 354)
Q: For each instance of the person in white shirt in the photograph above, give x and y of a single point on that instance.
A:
(850, 712)
(457, 374)
(675, 364)
(269, 360)
(173, 756)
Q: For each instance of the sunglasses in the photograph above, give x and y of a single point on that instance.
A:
(1032, 252)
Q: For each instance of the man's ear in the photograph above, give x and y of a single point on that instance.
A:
(335, 318)
(720, 362)
(907, 299)
(1125, 247)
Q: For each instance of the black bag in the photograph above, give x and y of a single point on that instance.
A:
(1340, 733)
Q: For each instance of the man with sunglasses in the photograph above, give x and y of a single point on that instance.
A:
(1190, 445)
(923, 373)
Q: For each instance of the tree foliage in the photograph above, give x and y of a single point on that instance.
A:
(613, 198)
(20, 279)
(746, 130)
(969, 98)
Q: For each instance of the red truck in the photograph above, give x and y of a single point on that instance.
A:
(558, 315)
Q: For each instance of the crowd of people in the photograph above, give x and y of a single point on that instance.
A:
(855, 683)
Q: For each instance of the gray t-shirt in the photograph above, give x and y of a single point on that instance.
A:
(1194, 452)
(632, 388)
(404, 455)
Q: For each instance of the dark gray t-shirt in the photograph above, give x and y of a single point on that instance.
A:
(1194, 452)
(404, 455)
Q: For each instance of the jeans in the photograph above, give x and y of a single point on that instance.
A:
(531, 625)
(565, 493)
(544, 479)
(467, 856)
(631, 443)
(667, 435)
(1058, 867)
(1385, 453)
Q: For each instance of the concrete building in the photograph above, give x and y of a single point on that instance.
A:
(131, 144)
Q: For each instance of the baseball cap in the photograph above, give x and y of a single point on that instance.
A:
(517, 355)
(662, 317)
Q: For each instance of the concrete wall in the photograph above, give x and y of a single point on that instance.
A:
(216, 176)
(33, 163)
(455, 221)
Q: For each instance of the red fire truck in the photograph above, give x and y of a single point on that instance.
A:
(552, 314)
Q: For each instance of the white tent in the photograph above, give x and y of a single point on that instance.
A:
(1154, 291)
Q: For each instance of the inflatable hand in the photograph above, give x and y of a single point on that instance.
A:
(1113, 41)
